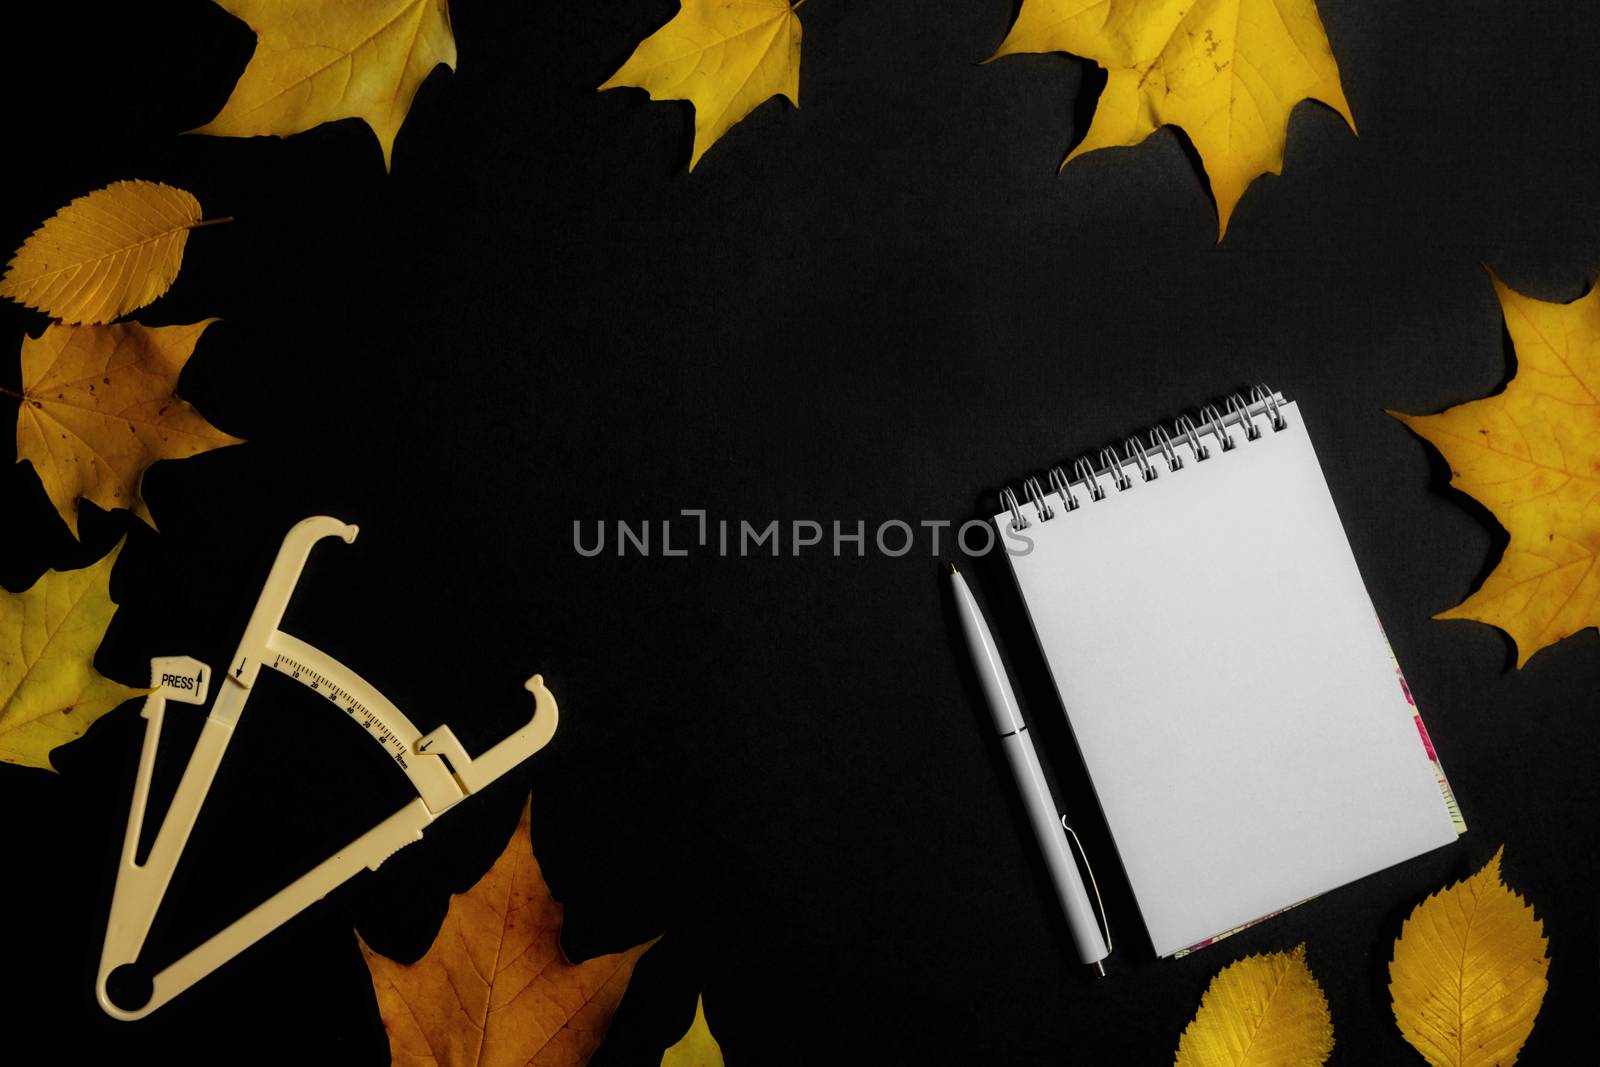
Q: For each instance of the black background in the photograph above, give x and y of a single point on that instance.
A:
(878, 306)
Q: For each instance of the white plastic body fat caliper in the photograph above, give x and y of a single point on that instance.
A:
(437, 765)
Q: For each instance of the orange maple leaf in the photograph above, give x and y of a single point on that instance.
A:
(495, 987)
(1531, 455)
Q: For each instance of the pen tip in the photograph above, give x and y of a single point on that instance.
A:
(1100, 967)
(952, 568)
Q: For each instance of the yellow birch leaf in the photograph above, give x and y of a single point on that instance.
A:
(1227, 71)
(1531, 455)
(104, 254)
(725, 57)
(317, 61)
(697, 1048)
(1261, 1011)
(496, 988)
(98, 409)
(50, 692)
(1468, 973)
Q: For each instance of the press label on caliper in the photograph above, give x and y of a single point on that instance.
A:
(369, 720)
(180, 678)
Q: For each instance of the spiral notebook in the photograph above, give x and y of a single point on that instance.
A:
(1243, 722)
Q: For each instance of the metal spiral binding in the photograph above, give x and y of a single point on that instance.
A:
(1168, 453)
(1009, 499)
(1036, 498)
(1186, 425)
(1213, 419)
(1237, 412)
(1262, 394)
(1109, 461)
(1240, 410)
(1058, 482)
(1135, 448)
(1085, 473)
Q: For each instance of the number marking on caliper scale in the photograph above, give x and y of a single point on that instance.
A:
(364, 716)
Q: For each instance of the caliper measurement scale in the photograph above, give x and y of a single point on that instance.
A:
(435, 762)
(370, 720)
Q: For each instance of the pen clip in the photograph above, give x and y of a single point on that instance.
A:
(1083, 857)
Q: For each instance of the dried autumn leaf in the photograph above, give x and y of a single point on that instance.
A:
(1227, 71)
(98, 409)
(104, 254)
(724, 58)
(1468, 973)
(1531, 455)
(1261, 1011)
(697, 1048)
(50, 692)
(496, 988)
(316, 62)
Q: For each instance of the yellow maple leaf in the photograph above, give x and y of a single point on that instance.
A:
(1468, 974)
(50, 692)
(1531, 455)
(104, 254)
(725, 57)
(696, 1048)
(1227, 71)
(496, 988)
(1261, 1011)
(316, 62)
(98, 409)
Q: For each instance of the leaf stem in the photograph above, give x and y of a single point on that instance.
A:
(13, 392)
(797, 5)
(229, 218)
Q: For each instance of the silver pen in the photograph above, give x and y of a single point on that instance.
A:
(1048, 825)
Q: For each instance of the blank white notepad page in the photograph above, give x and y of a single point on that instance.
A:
(1226, 679)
